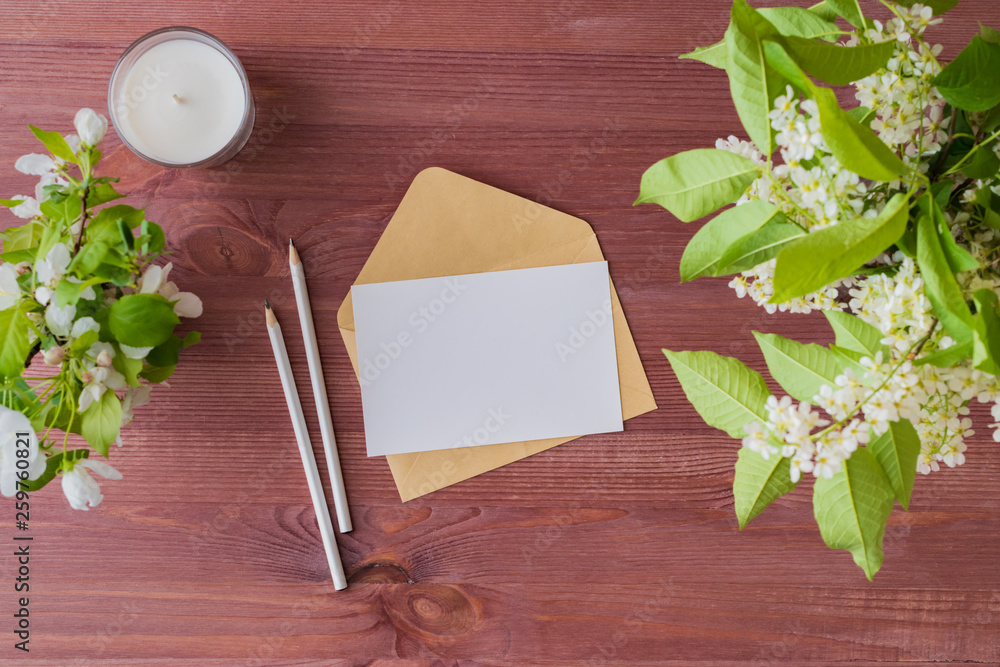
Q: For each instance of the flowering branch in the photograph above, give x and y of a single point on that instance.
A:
(82, 288)
(895, 203)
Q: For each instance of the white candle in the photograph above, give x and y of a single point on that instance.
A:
(178, 99)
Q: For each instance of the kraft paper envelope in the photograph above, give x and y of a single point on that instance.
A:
(447, 225)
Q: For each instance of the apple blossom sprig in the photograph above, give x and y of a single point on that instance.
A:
(80, 286)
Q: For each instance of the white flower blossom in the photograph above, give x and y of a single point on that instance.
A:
(35, 164)
(10, 290)
(83, 325)
(91, 126)
(135, 352)
(82, 491)
(154, 281)
(27, 209)
(13, 424)
(50, 270)
(98, 378)
(59, 320)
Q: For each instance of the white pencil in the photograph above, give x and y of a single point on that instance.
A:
(305, 449)
(319, 390)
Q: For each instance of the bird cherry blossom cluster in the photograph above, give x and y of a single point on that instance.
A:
(935, 400)
(908, 114)
(885, 217)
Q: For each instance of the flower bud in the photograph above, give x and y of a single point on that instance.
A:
(103, 358)
(54, 356)
(91, 126)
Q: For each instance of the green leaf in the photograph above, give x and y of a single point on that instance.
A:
(896, 450)
(850, 10)
(701, 256)
(84, 341)
(726, 393)
(818, 258)
(937, 6)
(753, 82)
(758, 482)
(854, 145)
(18, 256)
(22, 237)
(101, 422)
(142, 320)
(714, 55)
(89, 258)
(791, 21)
(156, 374)
(101, 193)
(153, 240)
(940, 285)
(56, 144)
(989, 34)
(863, 115)
(855, 334)
(697, 182)
(991, 120)
(128, 367)
(126, 235)
(958, 258)
(68, 292)
(52, 466)
(838, 65)
(166, 353)
(67, 209)
(991, 219)
(104, 226)
(986, 332)
(801, 369)
(940, 192)
(824, 11)
(798, 22)
(851, 357)
(851, 510)
(192, 338)
(947, 357)
(972, 80)
(757, 247)
(984, 162)
(14, 344)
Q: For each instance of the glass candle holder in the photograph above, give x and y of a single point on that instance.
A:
(179, 97)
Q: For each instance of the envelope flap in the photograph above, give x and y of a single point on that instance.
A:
(448, 224)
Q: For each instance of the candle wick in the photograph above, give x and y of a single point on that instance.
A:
(177, 98)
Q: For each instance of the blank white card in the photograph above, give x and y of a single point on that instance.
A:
(487, 358)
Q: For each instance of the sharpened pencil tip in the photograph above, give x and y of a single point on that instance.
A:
(291, 241)
(267, 304)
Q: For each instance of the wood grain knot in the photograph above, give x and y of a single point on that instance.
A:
(429, 611)
(213, 240)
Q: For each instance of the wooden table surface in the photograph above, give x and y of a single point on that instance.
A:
(619, 549)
